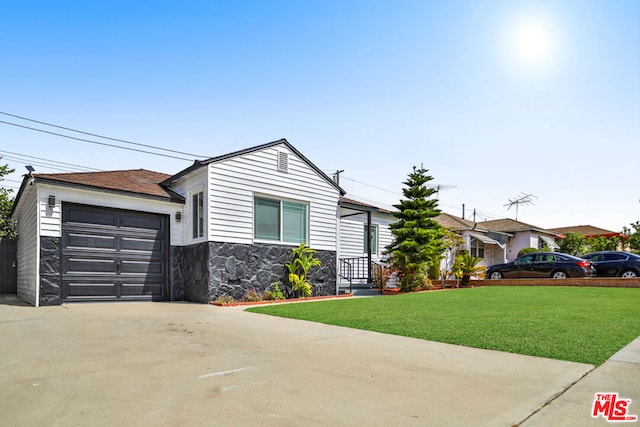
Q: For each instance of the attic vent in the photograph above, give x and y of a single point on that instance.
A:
(283, 161)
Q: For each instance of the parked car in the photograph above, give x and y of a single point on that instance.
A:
(542, 264)
(615, 263)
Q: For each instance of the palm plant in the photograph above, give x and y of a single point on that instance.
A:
(303, 260)
(466, 265)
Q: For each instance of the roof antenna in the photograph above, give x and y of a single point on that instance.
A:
(521, 199)
(31, 170)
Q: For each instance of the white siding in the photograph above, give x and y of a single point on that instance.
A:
(28, 246)
(233, 183)
(352, 235)
(51, 218)
(192, 183)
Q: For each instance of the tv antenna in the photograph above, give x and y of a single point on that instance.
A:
(520, 199)
(439, 187)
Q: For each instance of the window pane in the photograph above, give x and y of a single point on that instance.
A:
(374, 240)
(266, 219)
(294, 219)
(197, 217)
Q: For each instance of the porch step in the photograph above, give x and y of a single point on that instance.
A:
(359, 289)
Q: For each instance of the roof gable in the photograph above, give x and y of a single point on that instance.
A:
(200, 163)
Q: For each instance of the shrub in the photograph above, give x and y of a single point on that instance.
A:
(303, 260)
(224, 299)
(252, 296)
(273, 294)
(525, 251)
(381, 277)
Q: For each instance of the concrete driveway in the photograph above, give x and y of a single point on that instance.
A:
(174, 364)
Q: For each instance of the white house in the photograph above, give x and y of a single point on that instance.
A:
(521, 235)
(222, 226)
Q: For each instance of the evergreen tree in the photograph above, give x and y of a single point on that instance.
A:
(7, 227)
(418, 238)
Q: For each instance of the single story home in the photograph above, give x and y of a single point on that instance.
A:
(521, 235)
(489, 245)
(222, 226)
(587, 231)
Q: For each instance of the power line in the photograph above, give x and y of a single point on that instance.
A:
(95, 142)
(102, 136)
(45, 165)
(27, 158)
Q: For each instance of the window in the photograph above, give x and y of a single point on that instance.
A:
(374, 239)
(197, 214)
(477, 248)
(279, 220)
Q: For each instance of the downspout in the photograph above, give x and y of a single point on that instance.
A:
(369, 281)
(38, 246)
(338, 245)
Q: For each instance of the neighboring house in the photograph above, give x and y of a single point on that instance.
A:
(587, 231)
(489, 245)
(521, 235)
(222, 226)
(364, 236)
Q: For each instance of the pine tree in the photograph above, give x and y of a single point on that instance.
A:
(418, 238)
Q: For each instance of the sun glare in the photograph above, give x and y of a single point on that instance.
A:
(532, 42)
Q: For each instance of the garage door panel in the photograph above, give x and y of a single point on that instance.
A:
(142, 221)
(92, 241)
(149, 289)
(89, 265)
(88, 290)
(90, 215)
(141, 244)
(111, 254)
(142, 267)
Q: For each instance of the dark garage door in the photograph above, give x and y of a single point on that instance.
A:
(111, 254)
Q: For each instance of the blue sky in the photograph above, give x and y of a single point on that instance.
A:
(495, 98)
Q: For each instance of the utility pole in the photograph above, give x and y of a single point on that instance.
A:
(336, 177)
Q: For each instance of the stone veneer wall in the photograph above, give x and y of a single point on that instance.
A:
(205, 271)
(50, 268)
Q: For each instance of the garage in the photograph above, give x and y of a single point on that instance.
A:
(113, 254)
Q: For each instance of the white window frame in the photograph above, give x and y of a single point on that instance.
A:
(198, 215)
(281, 202)
(374, 241)
(478, 249)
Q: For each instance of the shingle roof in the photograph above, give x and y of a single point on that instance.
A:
(137, 181)
(509, 225)
(365, 206)
(453, 222)
(585, 230)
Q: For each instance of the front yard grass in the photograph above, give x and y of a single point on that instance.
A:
(585, 325)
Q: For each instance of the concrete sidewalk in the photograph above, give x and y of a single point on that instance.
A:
(620, 374)
(171, 364)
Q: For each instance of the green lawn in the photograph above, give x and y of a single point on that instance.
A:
(577, 324)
